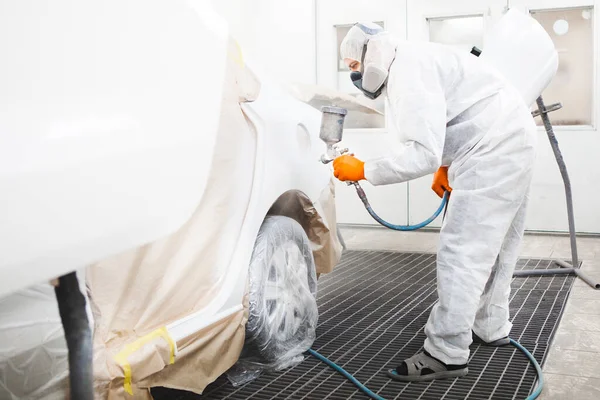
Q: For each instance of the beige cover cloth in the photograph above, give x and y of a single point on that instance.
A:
(134, 295)
(324, 241)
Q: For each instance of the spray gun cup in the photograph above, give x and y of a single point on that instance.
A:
(332, 124)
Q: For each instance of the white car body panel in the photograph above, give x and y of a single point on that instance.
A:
(287, 158)
(103, 123)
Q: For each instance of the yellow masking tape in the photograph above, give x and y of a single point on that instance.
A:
(131, 348)
(239, 57)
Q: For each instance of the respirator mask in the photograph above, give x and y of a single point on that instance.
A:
(376, 51)
(377, 57)
(369, 80)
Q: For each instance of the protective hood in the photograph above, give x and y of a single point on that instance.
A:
(376, 50)
(356, 39)
(379, 55)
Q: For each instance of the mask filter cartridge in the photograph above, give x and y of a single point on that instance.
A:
(357, 80)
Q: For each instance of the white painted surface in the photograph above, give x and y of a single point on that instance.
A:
(284, 161)
(103, 116)
(278, 34)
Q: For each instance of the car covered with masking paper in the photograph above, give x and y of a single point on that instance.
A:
(184, 186)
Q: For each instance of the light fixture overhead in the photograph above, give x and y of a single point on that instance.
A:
(561, 27)
(586, 14)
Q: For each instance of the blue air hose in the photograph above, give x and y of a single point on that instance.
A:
(363, 197)
(375, 396)
(346, 374)
(538, 370)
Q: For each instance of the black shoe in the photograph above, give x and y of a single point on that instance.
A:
(496, 343)
(423, 367)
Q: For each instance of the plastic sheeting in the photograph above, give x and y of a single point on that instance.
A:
(283, 313)
(33, 351)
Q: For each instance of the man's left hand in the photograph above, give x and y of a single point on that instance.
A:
(440, 182)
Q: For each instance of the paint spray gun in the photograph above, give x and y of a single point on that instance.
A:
(332, 129)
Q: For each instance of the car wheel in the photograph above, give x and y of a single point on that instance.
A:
(283, 310)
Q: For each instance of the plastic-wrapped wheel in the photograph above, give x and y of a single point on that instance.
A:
(283, 310)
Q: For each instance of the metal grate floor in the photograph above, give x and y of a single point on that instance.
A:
(373, 309)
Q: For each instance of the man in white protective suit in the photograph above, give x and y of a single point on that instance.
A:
(457, 118)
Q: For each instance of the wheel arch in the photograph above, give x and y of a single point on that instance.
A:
(324, 241)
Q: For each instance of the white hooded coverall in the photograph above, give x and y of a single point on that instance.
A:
(449, 108)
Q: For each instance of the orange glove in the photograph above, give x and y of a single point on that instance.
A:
(440, 182)
(349, 168)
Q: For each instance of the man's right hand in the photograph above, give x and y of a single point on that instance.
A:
(349, 168)
(440, 182)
